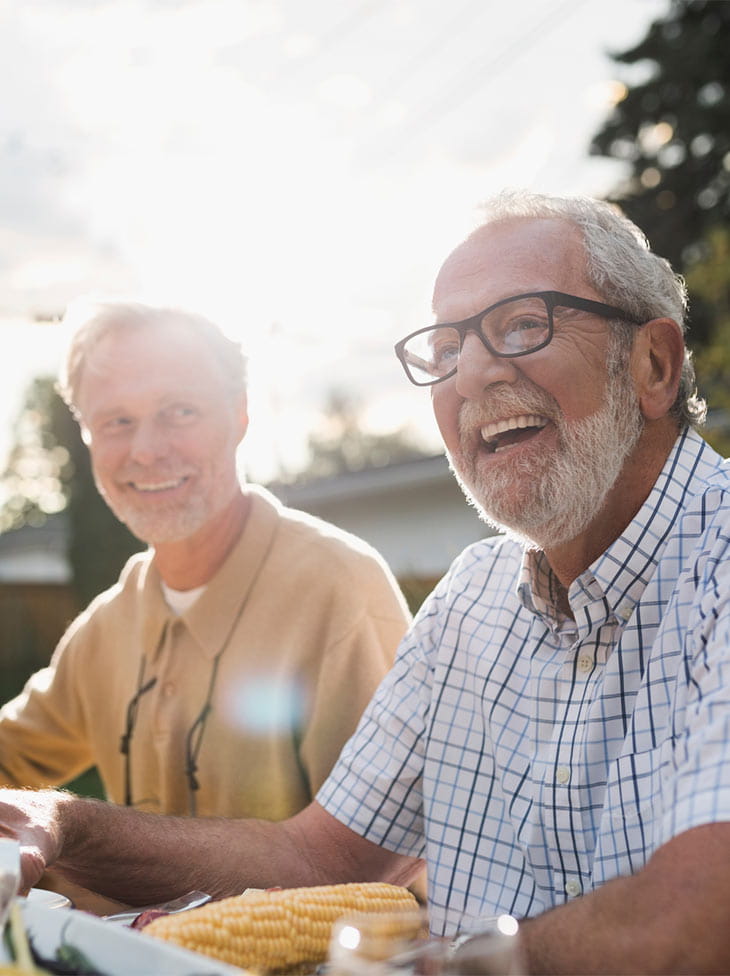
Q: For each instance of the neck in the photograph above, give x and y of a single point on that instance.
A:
(192, 562)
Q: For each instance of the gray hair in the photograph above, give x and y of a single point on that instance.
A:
(93, 318)
(622, 268)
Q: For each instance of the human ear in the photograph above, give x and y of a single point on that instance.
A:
(657, 358)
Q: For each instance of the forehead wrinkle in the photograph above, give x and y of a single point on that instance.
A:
(470, 276)
(509, 257)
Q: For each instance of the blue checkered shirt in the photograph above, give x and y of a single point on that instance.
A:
(530, 757)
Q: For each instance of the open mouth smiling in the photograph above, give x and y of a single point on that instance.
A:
(159, 486)
(505, 434)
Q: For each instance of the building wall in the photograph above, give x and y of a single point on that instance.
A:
(418, 531)
(414, 514)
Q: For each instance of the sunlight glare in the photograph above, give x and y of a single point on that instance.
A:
(346, 91)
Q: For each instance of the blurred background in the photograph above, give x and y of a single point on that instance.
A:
(297, 171)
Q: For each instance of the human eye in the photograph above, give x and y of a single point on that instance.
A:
(443, 349)
(115, 425)
(517, 329)
(527, 323)
(179, 414)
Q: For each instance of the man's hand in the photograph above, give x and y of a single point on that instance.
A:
(31, 818)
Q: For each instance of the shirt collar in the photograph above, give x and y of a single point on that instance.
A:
(619, 576)
(214, 615)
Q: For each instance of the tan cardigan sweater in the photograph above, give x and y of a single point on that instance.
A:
(305, 620)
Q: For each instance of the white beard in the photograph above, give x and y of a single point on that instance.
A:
(559, 492)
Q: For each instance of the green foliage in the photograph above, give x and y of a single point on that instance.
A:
(88, 784)
(673, 129)
(342, 444)
(48, 470)
(39, 466)
(99, 544)
(710, 279)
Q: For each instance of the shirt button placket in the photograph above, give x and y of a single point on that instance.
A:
(585, 663)
(573, 888)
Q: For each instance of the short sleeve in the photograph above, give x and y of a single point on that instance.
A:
(376, 786)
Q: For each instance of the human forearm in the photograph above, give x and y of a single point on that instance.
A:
(670, 917)
(143, 858)
(140, 858)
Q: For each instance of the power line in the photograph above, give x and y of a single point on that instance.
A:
(328, 38)
(396, 79)
(476, 70)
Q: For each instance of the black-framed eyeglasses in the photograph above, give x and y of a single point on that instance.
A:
(512, 327)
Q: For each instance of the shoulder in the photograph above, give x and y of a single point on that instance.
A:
(703, 477)
(496, 558)
(483, 577)
(705, 514)
(118, 598)
(319, 542)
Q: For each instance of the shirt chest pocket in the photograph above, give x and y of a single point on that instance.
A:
(635, 788)
(633, 811)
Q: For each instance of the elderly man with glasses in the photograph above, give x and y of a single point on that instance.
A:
(554, 737)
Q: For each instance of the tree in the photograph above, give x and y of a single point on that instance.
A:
(673, 129)
(710, 279)
(39, 466)
(49, 470)
(342, 444)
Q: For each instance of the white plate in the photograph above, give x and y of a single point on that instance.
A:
(51, 899)
(113, 951)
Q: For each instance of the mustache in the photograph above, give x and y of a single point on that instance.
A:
(506, 401)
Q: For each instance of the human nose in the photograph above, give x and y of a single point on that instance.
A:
(478, 368)
(148, 443)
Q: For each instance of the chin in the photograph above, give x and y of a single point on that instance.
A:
(170, 527)
(524, 515)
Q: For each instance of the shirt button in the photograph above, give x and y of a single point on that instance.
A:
(168, 689)
(562, 775)
(585, 662)
(573, 887)
(625, 611)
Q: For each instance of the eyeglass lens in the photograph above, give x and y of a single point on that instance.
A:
(511, 329)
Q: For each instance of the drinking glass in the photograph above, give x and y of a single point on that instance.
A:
(379, 944)
(489, 946)
(399, 944)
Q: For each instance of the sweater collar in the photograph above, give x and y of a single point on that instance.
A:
(214, 615)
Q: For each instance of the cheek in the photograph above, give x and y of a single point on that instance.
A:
(577, 390)
(580, 400)
(573, 372)
(104, 459)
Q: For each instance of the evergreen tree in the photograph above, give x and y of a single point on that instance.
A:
(673, 128)
(49, 470)
(710, 280)
(341, 443)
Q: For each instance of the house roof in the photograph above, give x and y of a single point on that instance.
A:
(423, 471)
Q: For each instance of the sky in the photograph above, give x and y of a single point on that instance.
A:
(295, 170)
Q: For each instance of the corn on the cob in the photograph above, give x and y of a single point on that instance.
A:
(280, 930)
